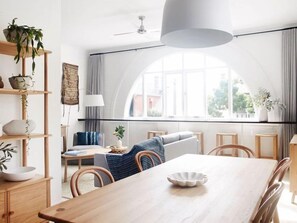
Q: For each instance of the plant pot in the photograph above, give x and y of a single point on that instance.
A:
(119, 144)
(20, 82)
(19, 127)
(263, 115)
(11, 36)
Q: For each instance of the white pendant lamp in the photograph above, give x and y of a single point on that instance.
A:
(196, 23)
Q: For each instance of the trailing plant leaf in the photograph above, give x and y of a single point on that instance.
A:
(6, 151)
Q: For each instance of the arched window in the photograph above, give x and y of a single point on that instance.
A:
(190, 85)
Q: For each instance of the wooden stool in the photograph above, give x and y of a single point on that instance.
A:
(234, 140)
(199, 136)
(274, 138)
(151, 134)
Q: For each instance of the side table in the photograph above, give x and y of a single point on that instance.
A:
(89, 153)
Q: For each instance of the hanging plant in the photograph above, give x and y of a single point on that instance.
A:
(25, 37)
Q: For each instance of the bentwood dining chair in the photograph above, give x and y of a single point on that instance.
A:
(278, 175)
(235, 149)
(148, 155)
(268, 203)
(96, 170)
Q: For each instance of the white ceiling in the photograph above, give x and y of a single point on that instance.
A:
(91, 24)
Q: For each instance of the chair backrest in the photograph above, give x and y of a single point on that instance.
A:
(149, 155)
(268, 203)
(280, 170)
(96, 170)
(235, 148)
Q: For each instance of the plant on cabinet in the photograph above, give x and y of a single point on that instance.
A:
(6, 154)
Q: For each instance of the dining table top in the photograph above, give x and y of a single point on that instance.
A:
(232, 194)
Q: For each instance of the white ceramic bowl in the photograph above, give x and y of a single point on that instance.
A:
(187, 179)
(19, 173)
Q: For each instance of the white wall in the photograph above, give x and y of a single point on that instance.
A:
(70, 113)
(46, 15)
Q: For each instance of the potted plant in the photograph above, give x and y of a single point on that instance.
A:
(21, 82)
(24, 36)
(6, 151)
(265, 103)
(119, 133)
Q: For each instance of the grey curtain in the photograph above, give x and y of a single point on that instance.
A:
(289, 86)
(94, 86)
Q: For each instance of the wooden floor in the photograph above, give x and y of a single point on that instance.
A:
(287, 210)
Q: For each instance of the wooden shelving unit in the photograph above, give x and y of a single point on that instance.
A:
(13, 195)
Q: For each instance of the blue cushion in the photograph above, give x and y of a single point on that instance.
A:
(82, 138)
(93, 138)
(88, 138)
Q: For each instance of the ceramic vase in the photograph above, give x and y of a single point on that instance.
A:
(263, 115)
(19, 127)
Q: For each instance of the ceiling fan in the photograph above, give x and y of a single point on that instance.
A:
(140, 30)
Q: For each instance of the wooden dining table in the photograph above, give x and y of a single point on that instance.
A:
(231, 194)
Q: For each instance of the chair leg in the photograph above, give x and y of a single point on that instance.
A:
(275, 216)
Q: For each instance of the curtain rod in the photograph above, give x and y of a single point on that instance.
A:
(236, 36)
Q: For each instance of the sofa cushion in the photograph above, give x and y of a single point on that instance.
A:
(88, 138)
(185, 134)
(82, 138)
(170, 138)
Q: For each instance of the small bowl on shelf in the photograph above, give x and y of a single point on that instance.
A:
(19, 173)
(187, 179)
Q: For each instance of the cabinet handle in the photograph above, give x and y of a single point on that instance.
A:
(4, 216)
(11, 213)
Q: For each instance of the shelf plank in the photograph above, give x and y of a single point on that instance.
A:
(22, 92)
(5, 138)
(8, 48)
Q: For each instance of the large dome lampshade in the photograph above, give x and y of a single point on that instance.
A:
(196, 23)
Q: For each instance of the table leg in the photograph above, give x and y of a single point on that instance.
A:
(65, 170)
(79, 163)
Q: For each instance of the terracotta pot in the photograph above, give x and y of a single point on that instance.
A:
(12, 37)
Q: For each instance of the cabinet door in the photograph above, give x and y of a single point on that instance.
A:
(3, 216)
(26, 202)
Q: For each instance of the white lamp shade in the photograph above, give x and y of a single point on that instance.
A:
(94, 100)
(196, 23)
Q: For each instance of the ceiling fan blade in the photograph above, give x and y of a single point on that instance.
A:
(119, 34)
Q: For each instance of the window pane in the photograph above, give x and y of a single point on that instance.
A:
(173, 62)
(195, 95)
(153, 88)
(174, 95)
(193, 61)
(136, 106)
(242, 101)
(217, 92)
